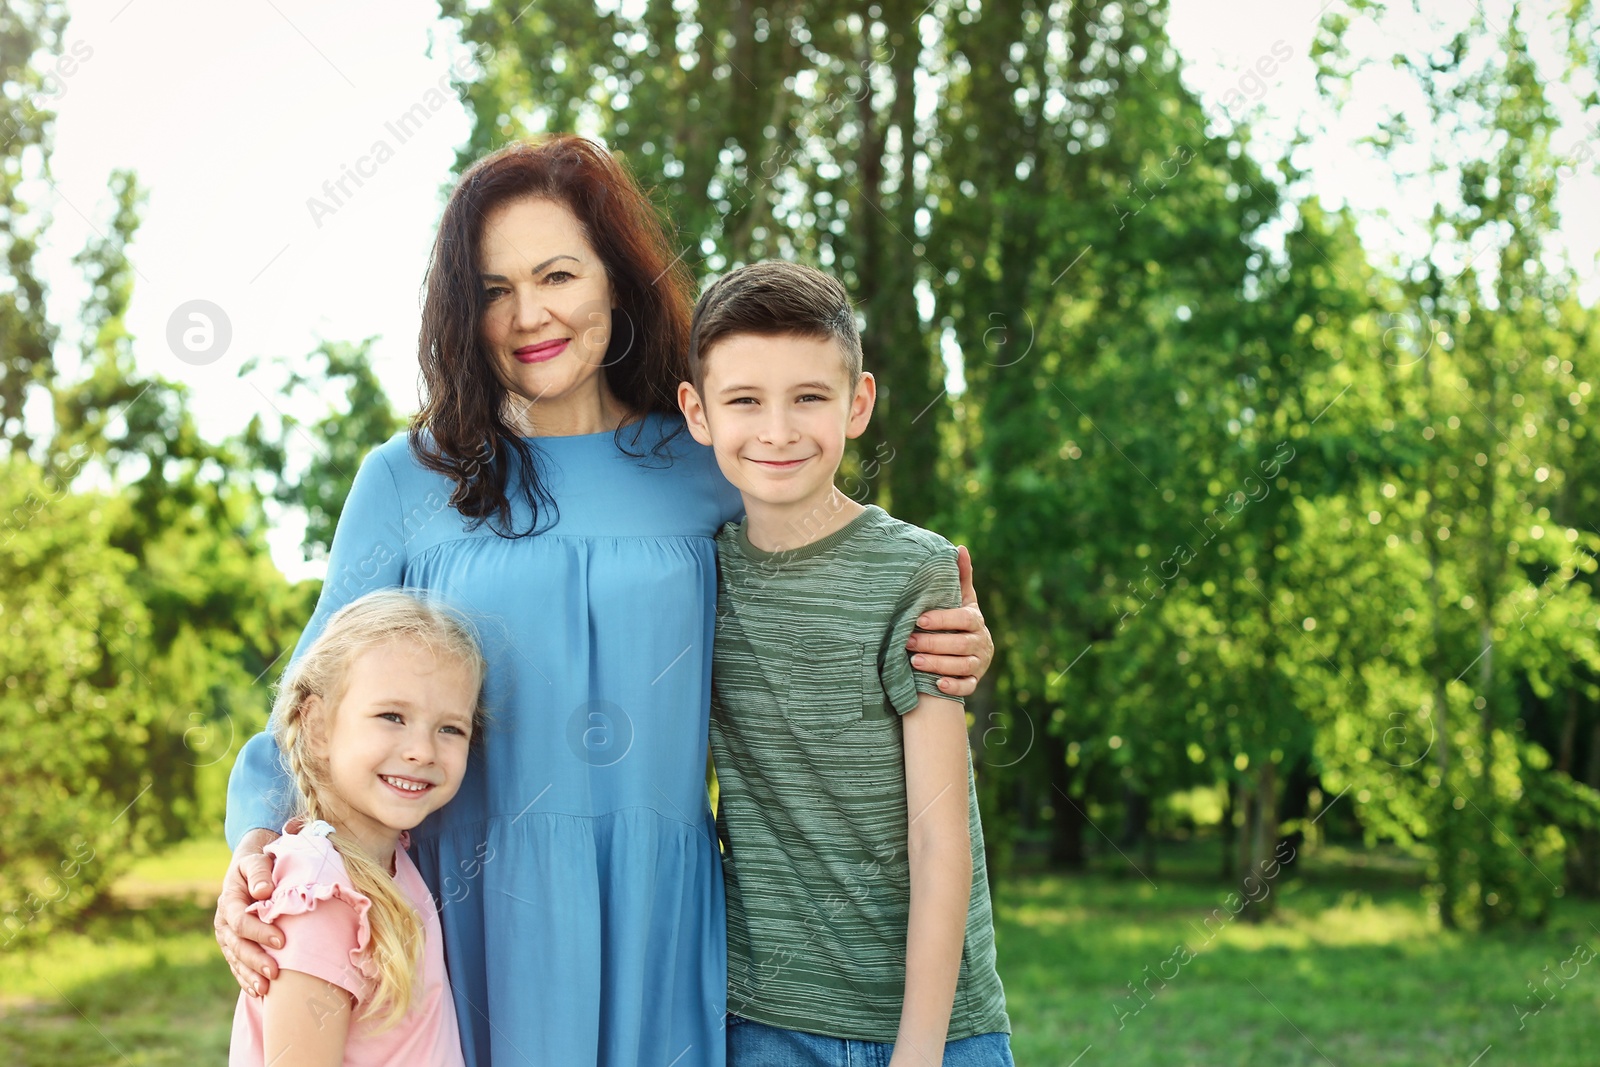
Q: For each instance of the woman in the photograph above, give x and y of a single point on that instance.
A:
(546, 488)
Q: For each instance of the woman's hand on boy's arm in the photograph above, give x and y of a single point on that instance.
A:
(240, 934)
(962, 655)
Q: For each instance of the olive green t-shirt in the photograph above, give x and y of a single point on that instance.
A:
(810, 678)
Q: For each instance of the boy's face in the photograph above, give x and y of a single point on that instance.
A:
(777, 411)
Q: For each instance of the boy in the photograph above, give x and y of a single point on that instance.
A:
(858, 905)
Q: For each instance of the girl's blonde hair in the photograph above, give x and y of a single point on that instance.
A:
(323, 672)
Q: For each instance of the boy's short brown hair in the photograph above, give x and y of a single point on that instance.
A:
(769, 298)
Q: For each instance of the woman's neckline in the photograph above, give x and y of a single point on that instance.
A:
(639, 422)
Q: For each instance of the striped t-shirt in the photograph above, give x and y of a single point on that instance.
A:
(810, 677)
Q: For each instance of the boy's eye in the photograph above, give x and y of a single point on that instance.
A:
(743, 400)
(814, 396)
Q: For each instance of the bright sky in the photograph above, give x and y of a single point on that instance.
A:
(236, 116)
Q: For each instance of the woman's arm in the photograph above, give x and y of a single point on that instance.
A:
(939, 850)
(962, 655)
(366, 554)
(305, 1021)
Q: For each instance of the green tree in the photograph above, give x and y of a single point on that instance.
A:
(139, 614)
(220, 613)
(1140, 384)
(73, 726)
(1476, 494)
(345, 432)
(27, 28)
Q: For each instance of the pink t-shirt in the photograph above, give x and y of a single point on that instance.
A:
(324, 923)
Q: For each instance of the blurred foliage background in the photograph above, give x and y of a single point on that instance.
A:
(1288, 546)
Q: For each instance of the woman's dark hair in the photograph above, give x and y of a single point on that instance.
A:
(461, 431)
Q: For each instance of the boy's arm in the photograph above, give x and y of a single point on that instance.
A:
(305, 1021)
(940, 855)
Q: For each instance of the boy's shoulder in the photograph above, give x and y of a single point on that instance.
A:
(917, 541)
(874, 548)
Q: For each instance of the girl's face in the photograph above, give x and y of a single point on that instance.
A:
(547, 311)
(397, 744)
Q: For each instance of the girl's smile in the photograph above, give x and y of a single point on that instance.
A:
(407, 787)
(397, 742)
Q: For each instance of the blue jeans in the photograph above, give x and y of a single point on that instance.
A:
(753, 1044)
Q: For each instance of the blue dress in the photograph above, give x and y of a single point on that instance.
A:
(577, 872)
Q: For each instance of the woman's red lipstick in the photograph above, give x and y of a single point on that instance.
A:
(540, 352)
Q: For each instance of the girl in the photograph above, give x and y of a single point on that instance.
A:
(374, 722)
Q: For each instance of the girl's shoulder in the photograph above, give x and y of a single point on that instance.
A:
(303, 854)
(306, 850)
(307, 873)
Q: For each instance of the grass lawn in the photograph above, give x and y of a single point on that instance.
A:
(1349, 971)
(142, 984)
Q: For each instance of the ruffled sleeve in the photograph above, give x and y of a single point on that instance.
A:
(322, 915)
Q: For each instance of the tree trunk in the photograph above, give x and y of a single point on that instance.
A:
(1583, 858)
(1569, 733)
(1444, 844)
(1263, 841)
(1227, 834)
(1066, 833)
(1135, 816)
(1135, 833)
(1245, 819)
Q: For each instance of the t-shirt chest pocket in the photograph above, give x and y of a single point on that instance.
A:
(827, 687)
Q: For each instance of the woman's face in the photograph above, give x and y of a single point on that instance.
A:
(547, 312)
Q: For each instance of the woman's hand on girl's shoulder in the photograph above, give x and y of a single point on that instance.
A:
(239, 934)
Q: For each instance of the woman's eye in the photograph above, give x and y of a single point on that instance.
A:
(494, 294)
(559, 276)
